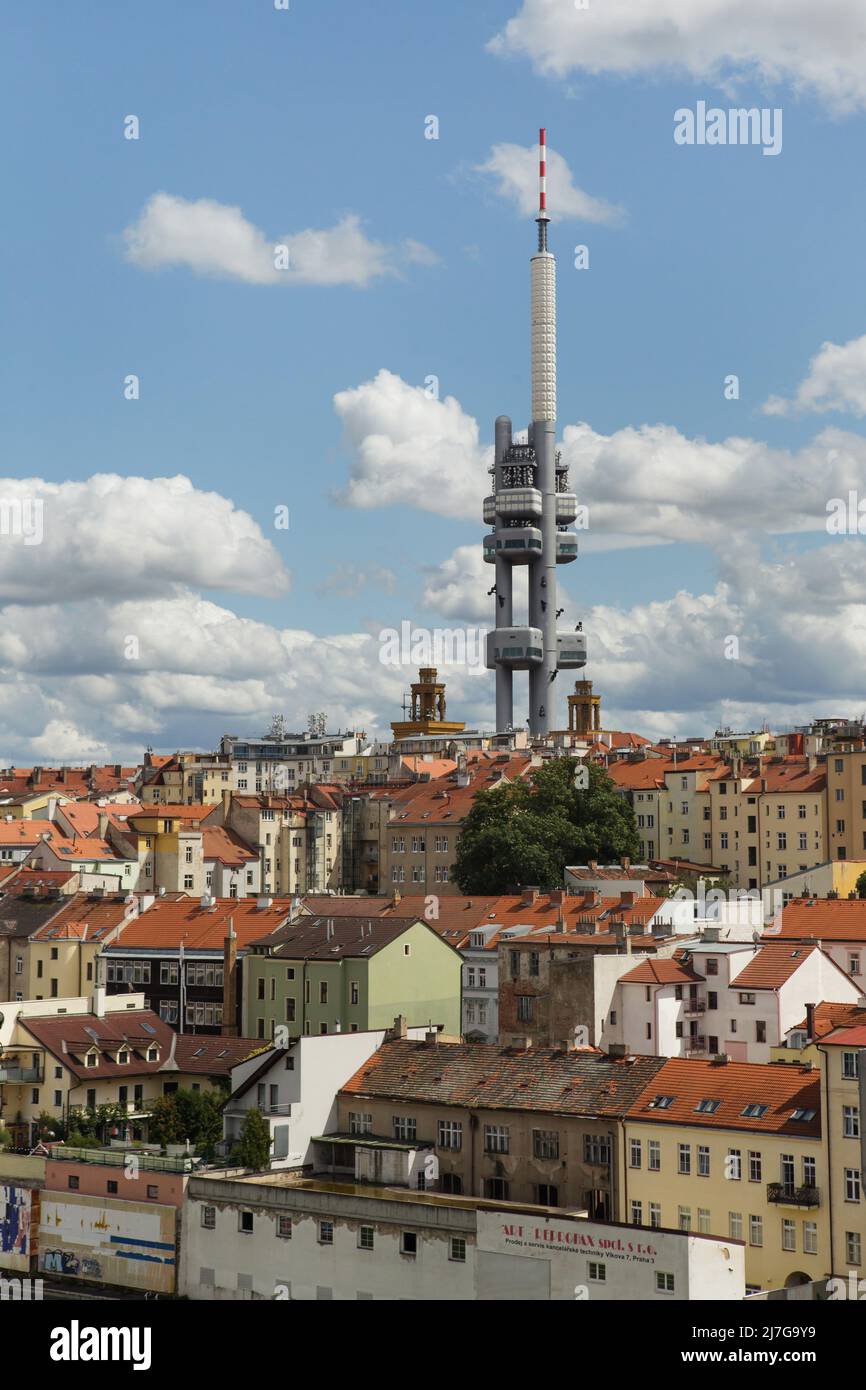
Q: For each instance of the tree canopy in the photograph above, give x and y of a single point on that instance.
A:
(526, 832)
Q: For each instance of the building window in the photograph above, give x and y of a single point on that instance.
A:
(545, 1143)
(853, 1248)
(365, 1238)
(360, 1122)
(684, 1218)
(408, 1243)
(703, 1161)
(789, 1235)
(734, 1165)
(634, 1153)
(755, 1167)
(284, 1227)
(852, 1184)
(524, 1008)
(596, 1272)
(735, 1225)
(756, 1230)
(636, 1213)
(596, 1149)
(684, 1158)
(208, 1218)
(850, 1068)
(654, 1155)
(655, 1215)
(496, 1139)
(496, 1189)
(665, 1283)
(457, 1249)
(851, 1121)
(73, 1183)
(810, 1237)
(245, 1222)
(450, 1134)
(404, 1128)
(326, 1233)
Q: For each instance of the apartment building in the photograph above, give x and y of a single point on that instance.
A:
(420, 825)
(282, 1236)
(527, 1125)
(846, 804)
(838, 925)
(298, 837)
(843, 1097)
(284, 764)
(188, 957)
(767, 819)
(65, 1054)
(733, 1149)
(712, 997)
(349, 973)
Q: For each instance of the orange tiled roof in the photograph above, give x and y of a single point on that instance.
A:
(661, 971)
(829, 1016)
(823, 919)
(772, 965)
(204, 928)
(224, 845)
(782, 1088)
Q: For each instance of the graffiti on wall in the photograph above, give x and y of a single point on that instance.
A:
(67, 1262)
(14, 1220)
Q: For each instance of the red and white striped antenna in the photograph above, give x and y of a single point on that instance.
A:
(542, 218)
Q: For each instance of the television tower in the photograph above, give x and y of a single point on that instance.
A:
(530, 511)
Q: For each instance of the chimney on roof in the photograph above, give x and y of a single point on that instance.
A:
(118, 770)
(617, 1049)
(627, 899)
(36, 776)
(400, 1029)
(557, 896)
(395, 897)
(810, 1023)
(593, 864)
(431, 1037)
(229, 1027)
(102, 824)
(528, 896)
(626, 862)
(263, 903)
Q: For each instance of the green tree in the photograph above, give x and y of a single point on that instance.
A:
(526, 832)
(188, 1115)
(253, 1149)
(860, 885)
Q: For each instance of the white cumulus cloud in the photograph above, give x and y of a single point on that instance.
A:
(819, 49)
(836, 380)
(216, 239)
(515, 171)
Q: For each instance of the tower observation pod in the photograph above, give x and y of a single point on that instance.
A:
(530, 512)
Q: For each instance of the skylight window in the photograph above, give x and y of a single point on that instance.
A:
(754, 1111)
(707, 1107)
(803, 1115)
(662, 1103)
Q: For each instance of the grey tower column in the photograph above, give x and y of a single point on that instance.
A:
(542, 581)
(503, 600)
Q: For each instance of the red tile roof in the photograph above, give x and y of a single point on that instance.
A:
(772, 965)
(779, 1086)
(660, 971)
(823, 919)
(168, 924)
(71, 1036)
(226, 846)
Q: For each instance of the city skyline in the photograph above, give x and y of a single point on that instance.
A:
(358, 402)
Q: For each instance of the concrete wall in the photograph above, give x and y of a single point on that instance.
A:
(108, 1241)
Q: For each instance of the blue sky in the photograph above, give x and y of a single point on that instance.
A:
(722, 261)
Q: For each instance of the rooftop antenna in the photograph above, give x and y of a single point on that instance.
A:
(542, 219)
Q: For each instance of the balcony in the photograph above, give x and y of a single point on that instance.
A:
(693, 1008)
(784, 1194)
(12, 1074)
(696, 1046)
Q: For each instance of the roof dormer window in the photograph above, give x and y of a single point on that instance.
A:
(92, 1058)
(153, 1053)
(122, 1056)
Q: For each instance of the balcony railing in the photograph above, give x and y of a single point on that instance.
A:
(13, 1074)
(693, 1007)
(788, 1195)
(695, 1046)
